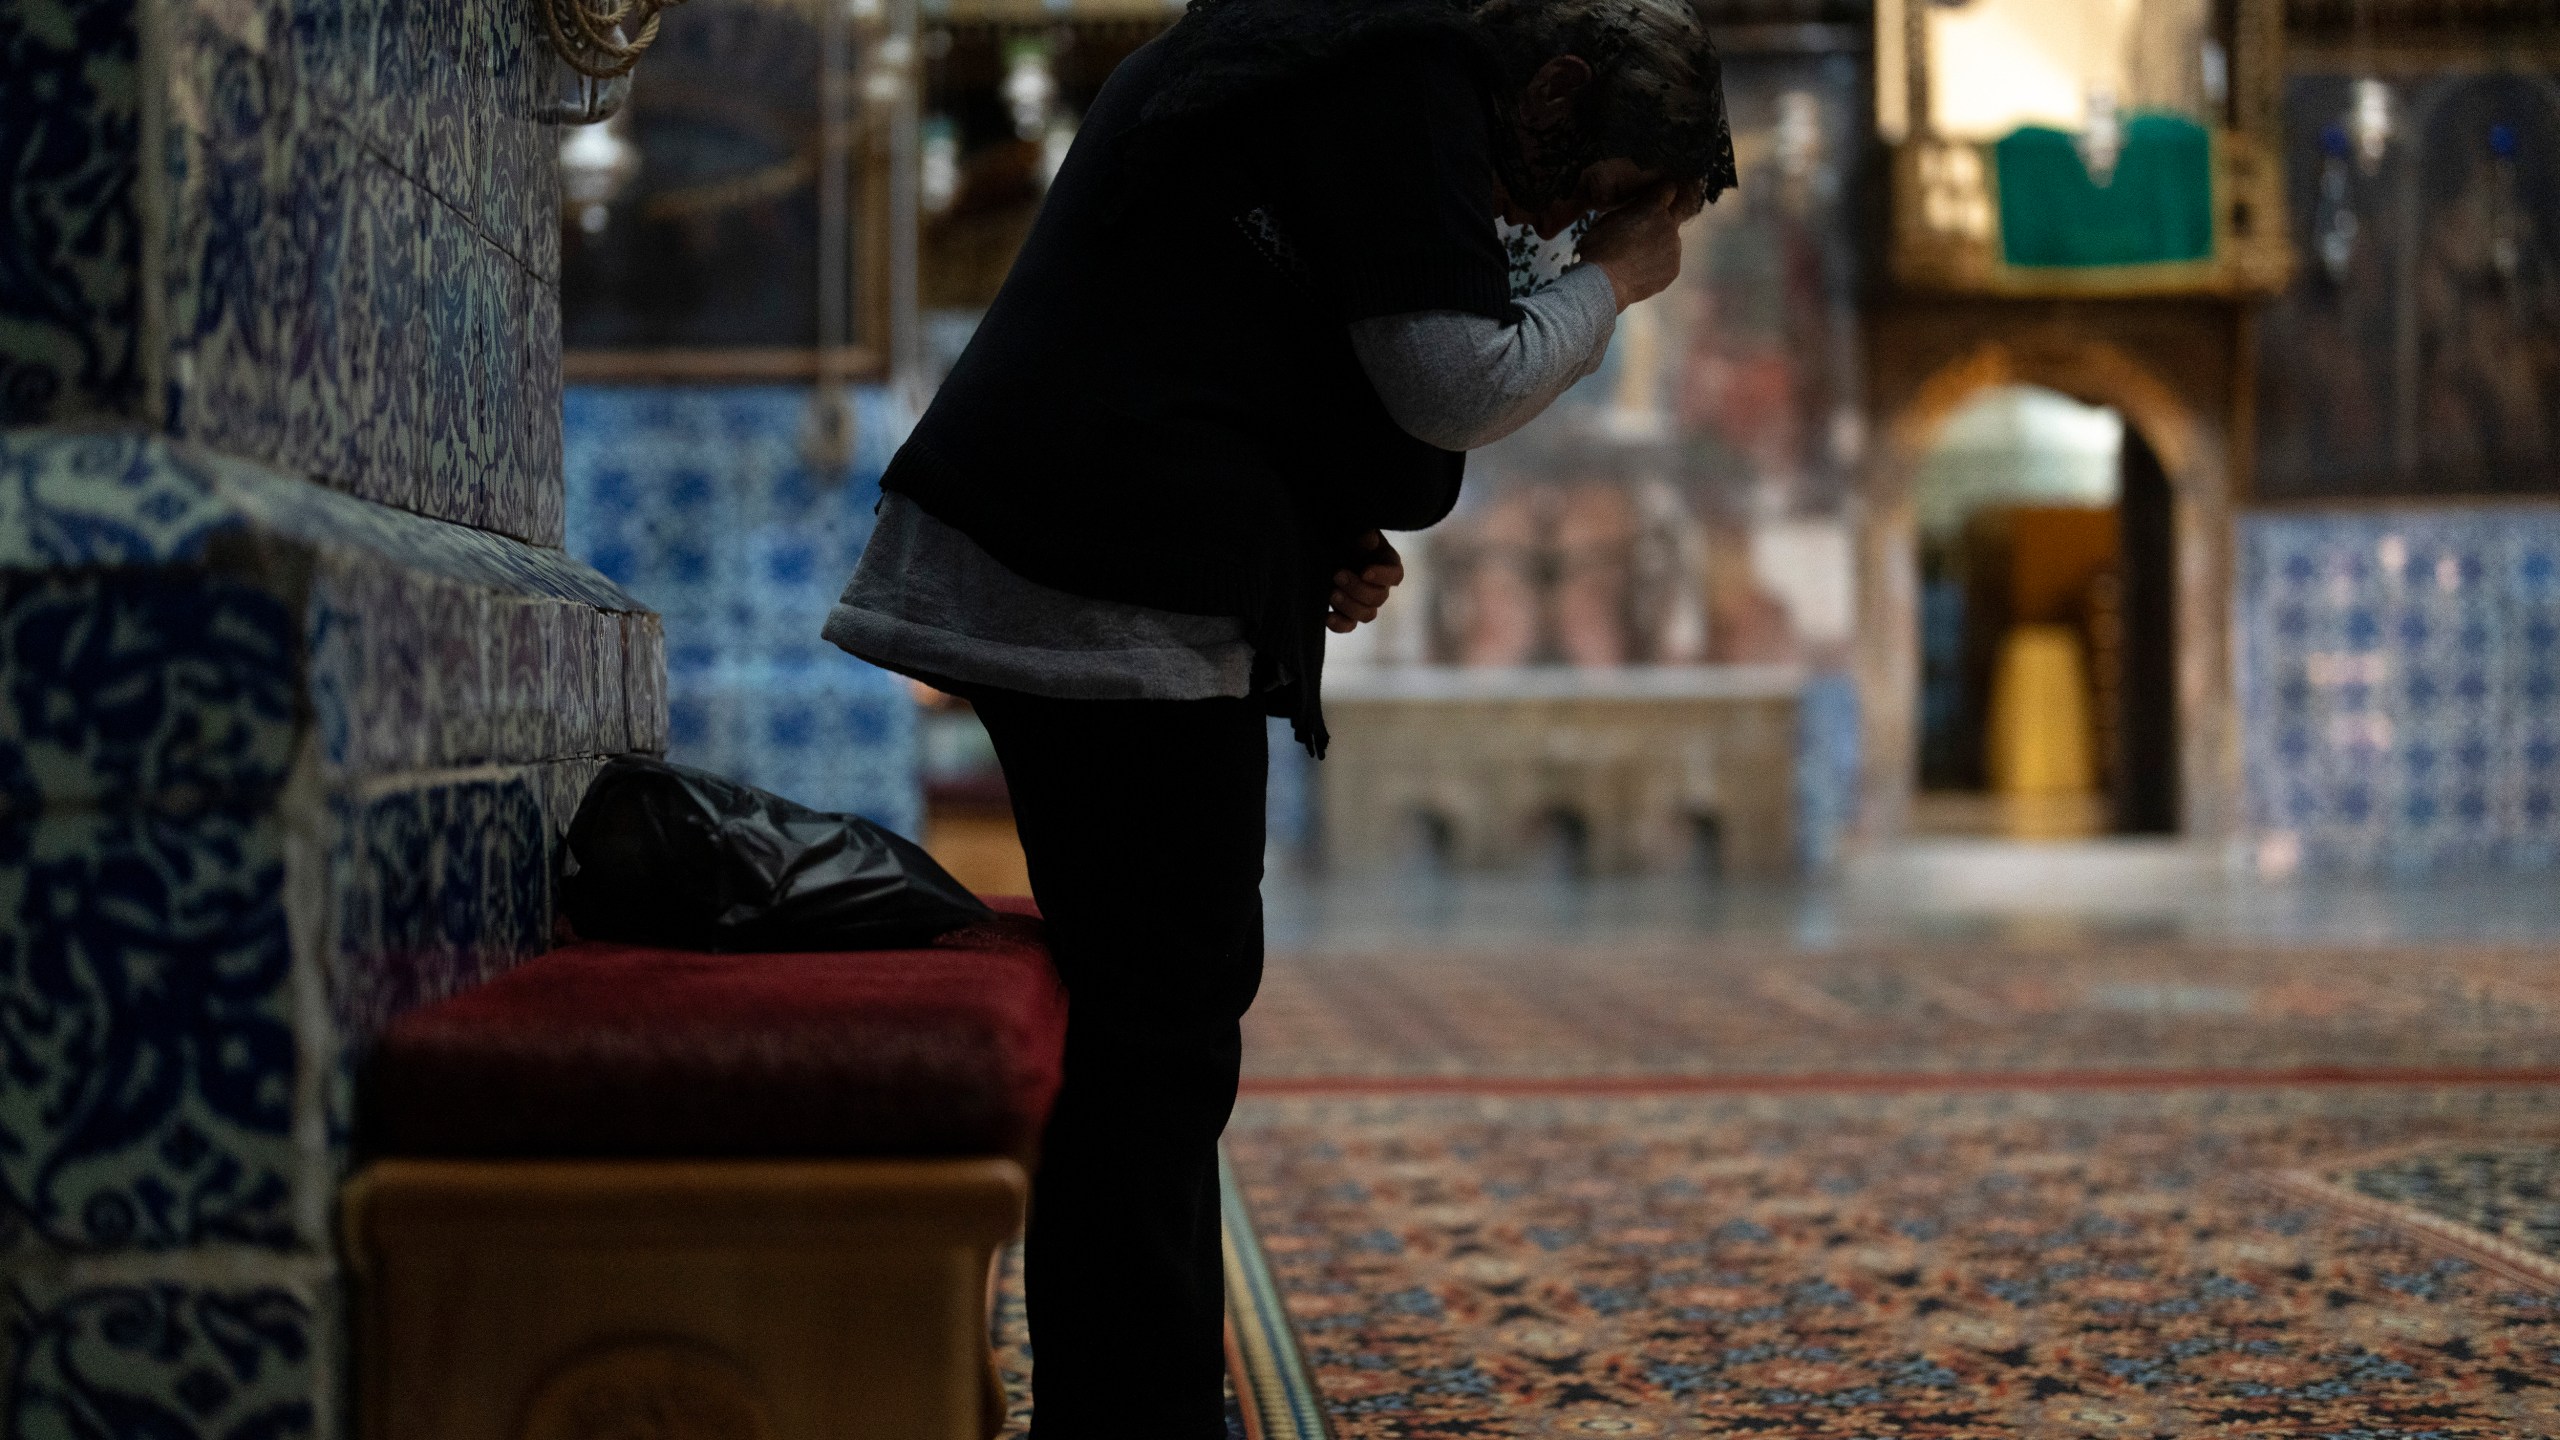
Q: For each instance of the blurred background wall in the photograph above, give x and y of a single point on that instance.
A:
(698, 498)
(2398, 608)
(2122, 421)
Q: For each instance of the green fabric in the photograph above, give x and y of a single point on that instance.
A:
(2157, 207)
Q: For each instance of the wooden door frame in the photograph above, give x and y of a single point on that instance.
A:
(1934, 359)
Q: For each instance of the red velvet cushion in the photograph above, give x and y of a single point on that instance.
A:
(619, 1050)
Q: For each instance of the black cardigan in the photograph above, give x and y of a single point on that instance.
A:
(1162, 407)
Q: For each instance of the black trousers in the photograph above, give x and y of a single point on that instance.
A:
(1143, 824)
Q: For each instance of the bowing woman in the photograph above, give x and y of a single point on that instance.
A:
(1263, 314)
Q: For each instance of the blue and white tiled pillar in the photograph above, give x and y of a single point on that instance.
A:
(297, 687)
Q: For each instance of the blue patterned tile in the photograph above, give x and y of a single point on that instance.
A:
(513, 53)
(2387, 669)
(174, 1354)
(570, 701)
(460, 711)
(437, 887)
(503, 162)
(541, 214)
(115, 498)
(394, 102)
(314, 282)
(74, 498)
(535, 409)
(497, 394)
(391, 430)
(698, 501)
(226, 123)
(563, 784)
(523, 647)
(332, 45)
(70, 316)
(836, 736)
(610, 732)
(644, 681)
(147, 728)
(444, 152)
(376, 610)
(359, 466)
(127, 686)
(447, 250)
(149, 1028)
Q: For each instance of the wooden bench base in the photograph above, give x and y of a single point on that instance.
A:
(689, 1300)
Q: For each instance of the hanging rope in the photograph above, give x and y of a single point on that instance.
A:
(601, 39)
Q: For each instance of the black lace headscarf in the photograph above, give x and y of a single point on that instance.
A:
(1656, 97)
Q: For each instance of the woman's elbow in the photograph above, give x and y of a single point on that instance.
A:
(1441, 430)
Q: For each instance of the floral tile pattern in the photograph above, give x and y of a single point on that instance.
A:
(145, 732)
(698, 501)
(1926, 1265)
(126, 686)
(170, 1353)
(413, 672)
(71, 316)
(149, 1031)
(211, 908)
(436, 888)
(72, 498)
(2397, 676)
(153, 980)
(357, 283)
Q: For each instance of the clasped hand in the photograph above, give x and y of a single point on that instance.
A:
(1357, 594)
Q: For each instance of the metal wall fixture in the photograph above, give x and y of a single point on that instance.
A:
(601, 39)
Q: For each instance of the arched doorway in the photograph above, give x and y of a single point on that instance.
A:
(2169, 489)
(2045, 555)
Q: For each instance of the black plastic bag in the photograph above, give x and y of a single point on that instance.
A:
(664, 854)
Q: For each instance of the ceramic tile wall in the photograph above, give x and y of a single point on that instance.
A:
(113, 1351)
(357, 277)
(2400, 688)
(204, 677)
(275, 764)
(71, 314)
(277, 759)
(696, 499)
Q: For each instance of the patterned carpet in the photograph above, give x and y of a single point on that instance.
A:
(2083, 1263)
(1728, 1010)
(2106, 1191)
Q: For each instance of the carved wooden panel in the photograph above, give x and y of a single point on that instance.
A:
(647, 1390)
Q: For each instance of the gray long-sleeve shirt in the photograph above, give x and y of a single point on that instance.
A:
(926, 601)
